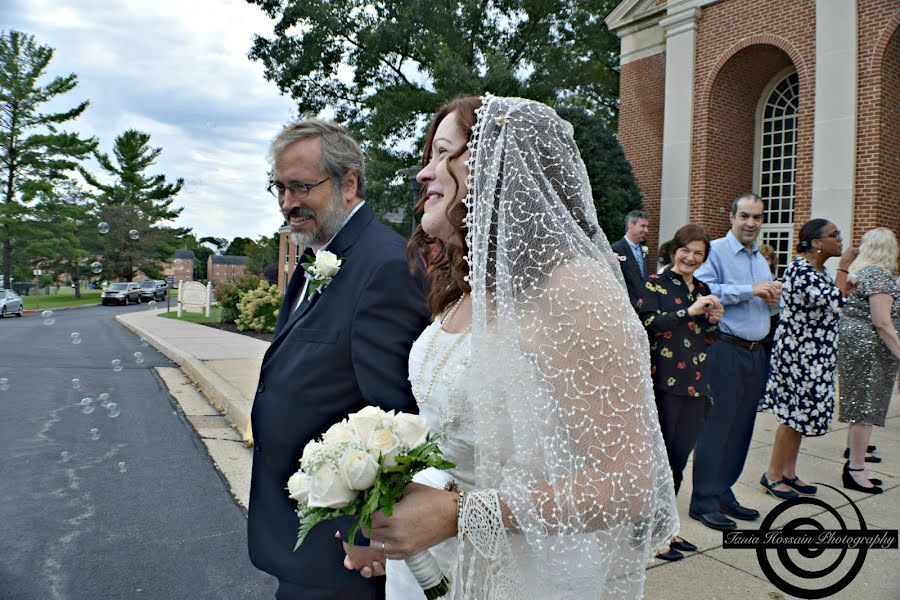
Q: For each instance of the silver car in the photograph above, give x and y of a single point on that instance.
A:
(121, 293)
(10, 303)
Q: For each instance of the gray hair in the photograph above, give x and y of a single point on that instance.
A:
(340, 152)
(635, 216)
(745, 196)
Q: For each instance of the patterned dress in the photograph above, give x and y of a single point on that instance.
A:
(866, 367)
(678, 341)
(801, 386)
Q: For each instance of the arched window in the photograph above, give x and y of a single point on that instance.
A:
(776, 165)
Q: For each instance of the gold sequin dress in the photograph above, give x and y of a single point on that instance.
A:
(866, 367)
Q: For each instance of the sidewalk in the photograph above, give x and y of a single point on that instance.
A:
(225, 366)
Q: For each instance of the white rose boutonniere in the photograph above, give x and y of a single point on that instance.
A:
(644, 250)
(321, 271)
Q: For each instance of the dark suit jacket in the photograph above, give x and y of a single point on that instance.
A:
(346, 349)
(630, 270)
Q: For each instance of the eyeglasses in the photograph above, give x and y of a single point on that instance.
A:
(834, 234)
(298, 190)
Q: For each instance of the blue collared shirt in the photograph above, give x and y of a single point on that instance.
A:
(730, 272)
(638, 256)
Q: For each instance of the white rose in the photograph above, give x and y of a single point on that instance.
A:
(327, 264)
(387, 419)
(411, 429)
(358, 468)
(366, 421)
(312, 449)
(298, 487)
(327, 489)
(383, 442)
(339, 432)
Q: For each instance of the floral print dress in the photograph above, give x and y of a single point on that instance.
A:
(801, 387)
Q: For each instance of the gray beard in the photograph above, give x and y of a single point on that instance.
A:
(327, 224)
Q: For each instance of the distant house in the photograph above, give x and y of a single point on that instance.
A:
(220, 269)
(182, 267)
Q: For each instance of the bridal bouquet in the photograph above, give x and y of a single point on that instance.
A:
(362, 465)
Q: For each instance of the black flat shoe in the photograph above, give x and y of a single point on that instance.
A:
(672, 555)
(683, 545)
(714, 520)
(851, 484)
(806, 490)
(869, 457)
(737, 511)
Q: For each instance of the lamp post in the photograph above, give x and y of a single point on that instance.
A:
(415, 189)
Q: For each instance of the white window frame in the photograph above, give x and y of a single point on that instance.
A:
(769, 230)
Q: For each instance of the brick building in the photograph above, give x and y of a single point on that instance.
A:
(220, 269)
(796, 100)
(182, 267)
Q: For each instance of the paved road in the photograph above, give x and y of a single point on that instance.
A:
(75, 526)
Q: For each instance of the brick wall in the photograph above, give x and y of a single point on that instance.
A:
(741, 46)
(877, 185)
(642, 104)
(285, 246)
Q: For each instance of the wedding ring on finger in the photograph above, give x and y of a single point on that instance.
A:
(384, 550)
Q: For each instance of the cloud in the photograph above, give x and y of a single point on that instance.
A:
(178, 71)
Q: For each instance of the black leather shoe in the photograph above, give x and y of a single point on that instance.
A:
(714, 520)
(683, 545)
(740, 512)
(672, 555)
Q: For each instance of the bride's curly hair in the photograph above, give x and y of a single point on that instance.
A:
(445, 264)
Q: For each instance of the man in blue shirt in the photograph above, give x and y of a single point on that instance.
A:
(633, 254)
(737, 364)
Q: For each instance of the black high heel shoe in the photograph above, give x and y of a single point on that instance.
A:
(851, 484)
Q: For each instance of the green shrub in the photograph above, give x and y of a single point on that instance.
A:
(258, 308)
(228, 295)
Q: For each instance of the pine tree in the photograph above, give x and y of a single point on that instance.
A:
(34, 152)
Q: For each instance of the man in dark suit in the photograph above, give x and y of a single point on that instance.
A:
(633, 254)
(335, 350)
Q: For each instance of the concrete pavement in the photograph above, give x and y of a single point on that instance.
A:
(225, 368)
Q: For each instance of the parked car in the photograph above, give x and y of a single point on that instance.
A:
(121, 293)
(153, 289)
(10, 303)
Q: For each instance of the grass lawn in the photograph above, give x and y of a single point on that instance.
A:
(65, 297)
(192, 317)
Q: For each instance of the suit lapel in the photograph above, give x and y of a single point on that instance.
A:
(339, 246)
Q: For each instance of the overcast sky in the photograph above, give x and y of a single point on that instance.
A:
(178, 70)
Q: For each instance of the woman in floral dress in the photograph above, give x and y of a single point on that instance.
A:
(680, 315)
(801, 387)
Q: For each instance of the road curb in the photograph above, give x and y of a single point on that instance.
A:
(32, 311)
(221, 394)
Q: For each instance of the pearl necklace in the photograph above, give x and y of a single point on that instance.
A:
(429, 350)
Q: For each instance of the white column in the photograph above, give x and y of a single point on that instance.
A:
(834, 146)
(681, 37)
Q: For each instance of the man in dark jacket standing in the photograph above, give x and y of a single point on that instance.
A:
(633, 254)
(338, 346)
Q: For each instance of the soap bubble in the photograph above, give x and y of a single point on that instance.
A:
(139, 357)
(144, 342)
(103, 227)
(116, 365)
(96, 266)
(75, 337)
(76, 384)
(152, 305)
(64, 456)
(113, 409)
(104, 399)
(87, 405)
(4, 384)
(134, 234)
(95, 434)
(49, 317)
(122, 467)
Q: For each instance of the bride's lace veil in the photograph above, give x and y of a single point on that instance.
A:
(566, 432)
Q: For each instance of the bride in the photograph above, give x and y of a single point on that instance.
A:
(535, 372)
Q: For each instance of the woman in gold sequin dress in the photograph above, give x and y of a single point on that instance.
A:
(869, 350)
